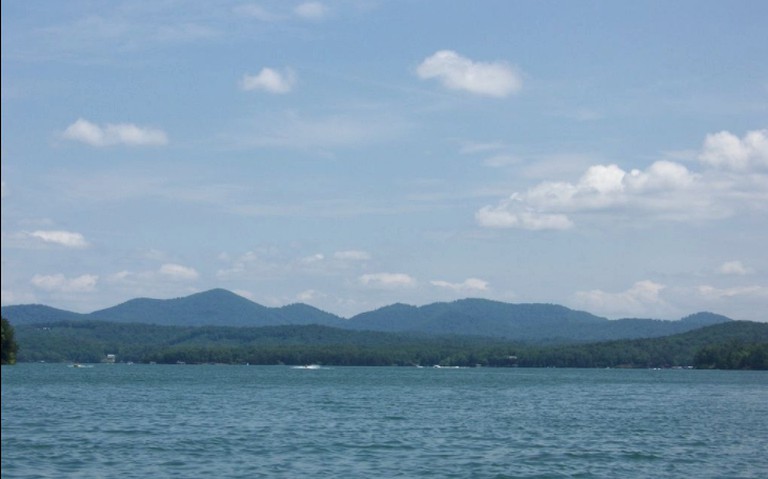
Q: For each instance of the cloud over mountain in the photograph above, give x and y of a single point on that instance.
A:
(665, 190)
(387, 280)
(60, 283)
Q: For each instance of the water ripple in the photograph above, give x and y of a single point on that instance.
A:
(273, 422)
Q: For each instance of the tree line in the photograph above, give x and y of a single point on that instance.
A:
(8, 347)
(735, 345)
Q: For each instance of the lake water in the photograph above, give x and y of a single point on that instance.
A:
(185, 421)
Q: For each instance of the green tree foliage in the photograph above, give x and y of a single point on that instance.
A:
(9, 347)
(91, 341)
(733, 355)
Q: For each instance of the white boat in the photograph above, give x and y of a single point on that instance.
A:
(307, 366)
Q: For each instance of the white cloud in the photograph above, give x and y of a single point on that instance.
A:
(659, 190)
(311, 10)
(315, 258)
(269, 80)
(725, 150)
(309, 295)
(752, 291)
(178, 272)
(60, 283)
(731, 182)
(733, 268)
(507, 214)
(387, 280)
(168, 272)
(63, 238)
(468, 285)
(496, 79)
(644, 297)
(352, 255)
(114, 134)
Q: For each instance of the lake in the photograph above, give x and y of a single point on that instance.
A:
(222, 421)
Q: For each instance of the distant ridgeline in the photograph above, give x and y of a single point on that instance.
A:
(478, 317)
(220, 326)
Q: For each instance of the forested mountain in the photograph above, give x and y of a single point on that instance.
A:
(38, 313)
(477, 317)
(217, 307)
(732, 345)
(524, 322)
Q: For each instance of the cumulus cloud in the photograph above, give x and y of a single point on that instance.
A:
(658, 190)
(387, 280)
(352, 255)
(60, 283)
(733, 268)
(126, 134)
(63, 238)
(497, 79)
(311, 10)
(178, 272)
(732, 179)
(642, 298)
(269, 80)
(468, 285)
(727, 151)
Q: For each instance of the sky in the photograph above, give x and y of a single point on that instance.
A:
(607, 156)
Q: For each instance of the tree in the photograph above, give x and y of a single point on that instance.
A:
(8, 347)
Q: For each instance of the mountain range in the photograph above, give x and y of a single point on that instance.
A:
(477, 317)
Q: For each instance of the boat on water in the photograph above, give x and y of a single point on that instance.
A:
(80, 365)
(307, 366)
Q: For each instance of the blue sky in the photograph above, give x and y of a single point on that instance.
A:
(607, 156)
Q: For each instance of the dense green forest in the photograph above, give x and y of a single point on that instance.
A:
(8, 347)
(732, 345)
